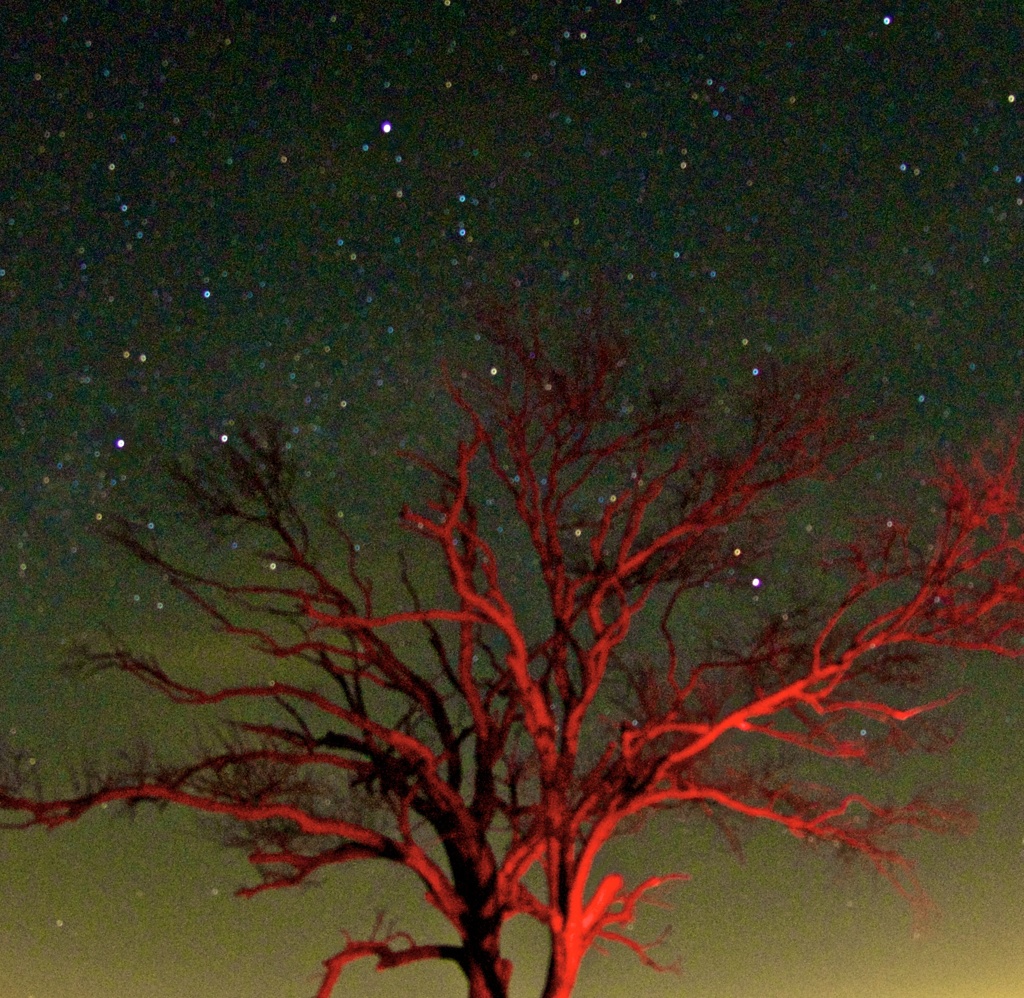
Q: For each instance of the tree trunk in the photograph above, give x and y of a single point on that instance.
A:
(486, 970)
(563, 968)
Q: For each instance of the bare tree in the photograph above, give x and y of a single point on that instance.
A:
(497, 767)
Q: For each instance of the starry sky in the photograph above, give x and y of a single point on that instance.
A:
(213, 212)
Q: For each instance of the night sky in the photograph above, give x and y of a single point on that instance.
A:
(206, 217)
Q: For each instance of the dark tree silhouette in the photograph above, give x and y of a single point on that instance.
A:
(497, 767)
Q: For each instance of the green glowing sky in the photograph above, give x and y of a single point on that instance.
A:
(209, 216)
